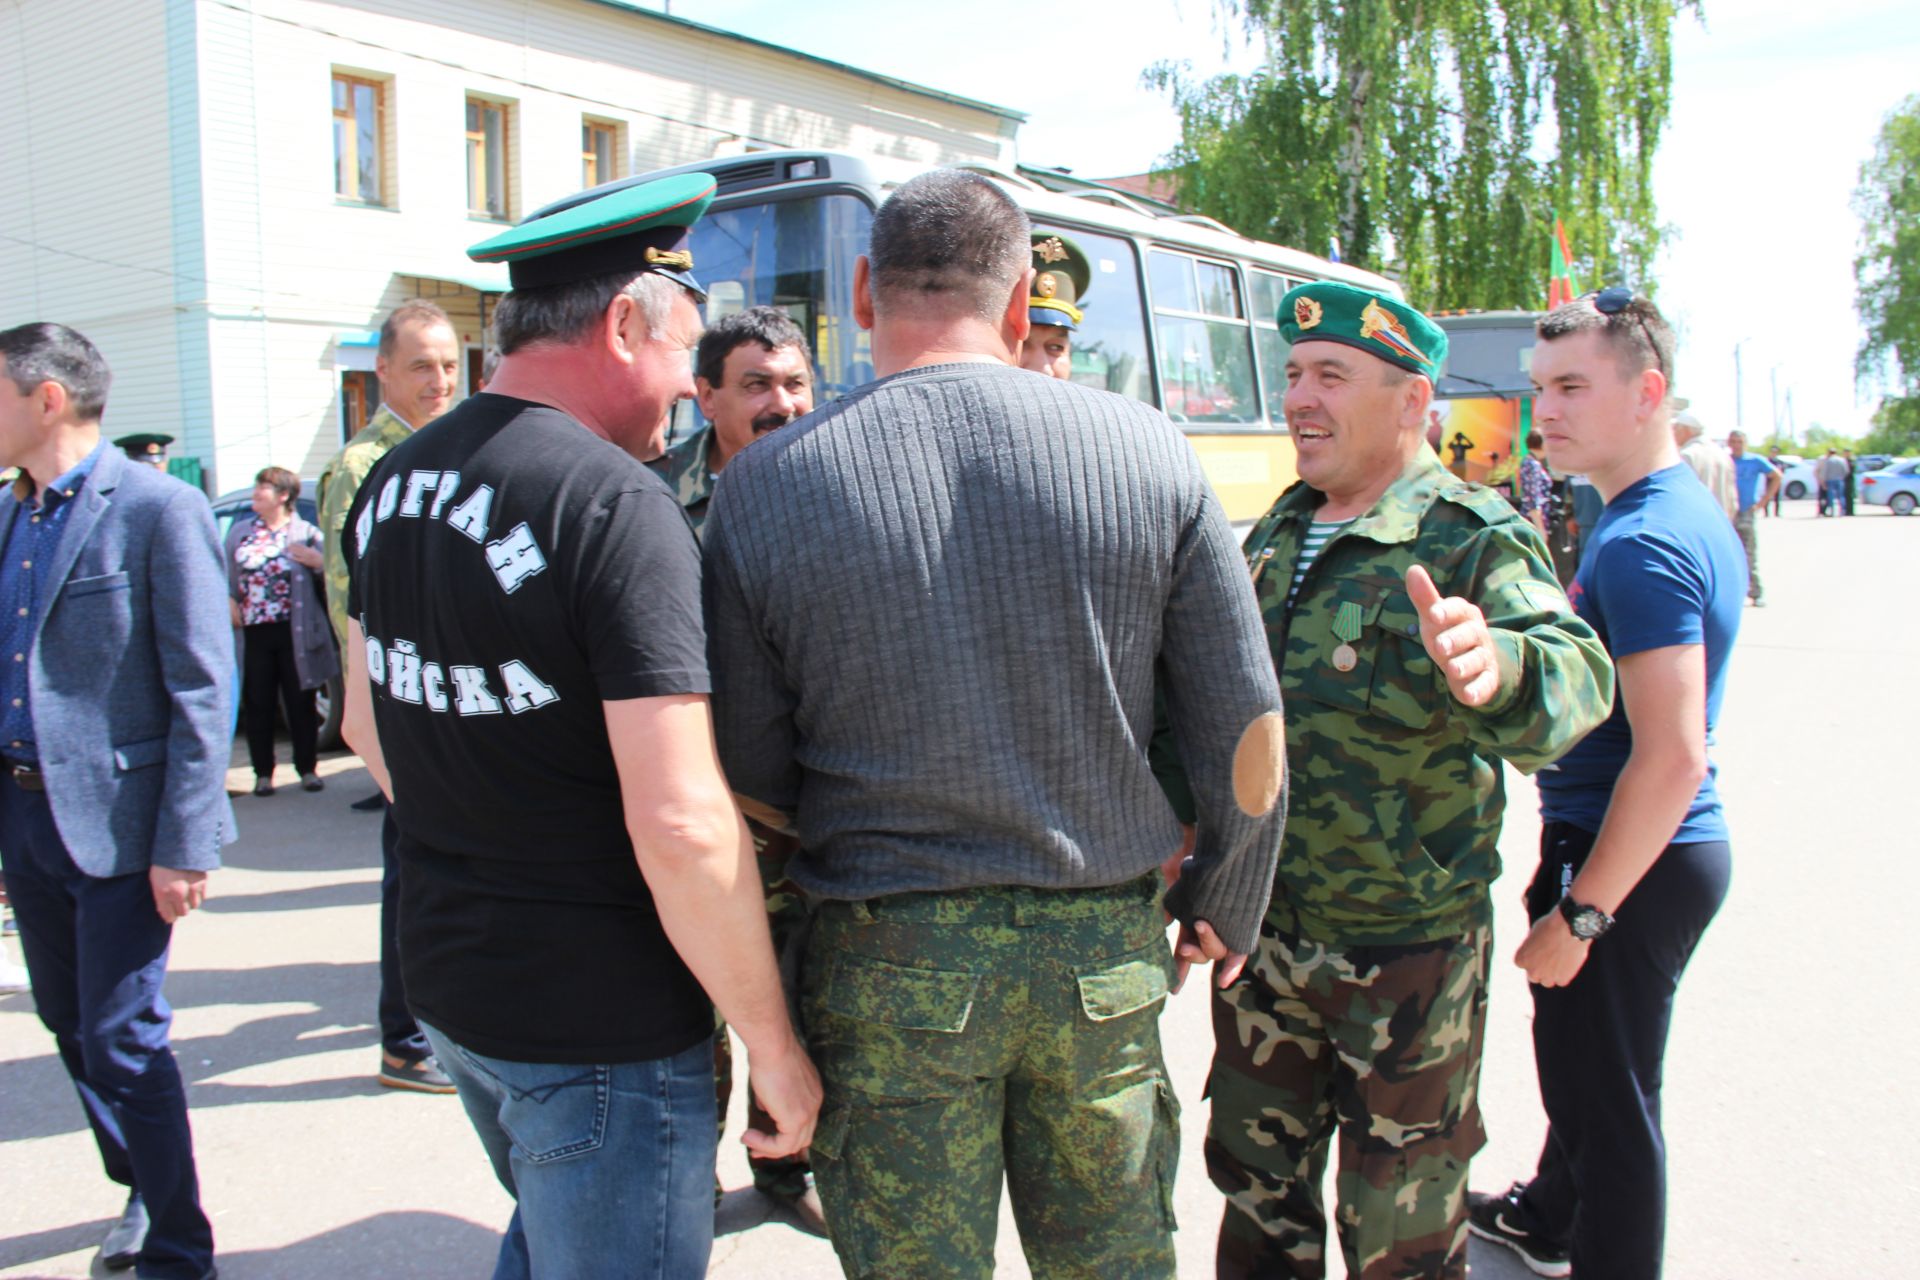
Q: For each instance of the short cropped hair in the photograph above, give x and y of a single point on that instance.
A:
(42, 352)
(1640, 336)
(565, 313)
(949, 240)
(771, 327)
(284, 482)
(412, 311)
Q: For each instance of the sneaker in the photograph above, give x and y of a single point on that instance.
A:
(1502, 1220)
(122, 1245)
(311, 782)
(422, 1075)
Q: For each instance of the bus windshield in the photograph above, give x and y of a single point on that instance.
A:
(796, 255)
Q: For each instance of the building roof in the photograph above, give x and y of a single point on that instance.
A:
(908, 86)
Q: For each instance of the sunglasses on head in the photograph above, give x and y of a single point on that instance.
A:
(1614, 299)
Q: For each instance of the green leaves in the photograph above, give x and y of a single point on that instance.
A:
(1886, 272)
(1438, 138)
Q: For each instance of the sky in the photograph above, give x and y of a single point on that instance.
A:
(1775, 106)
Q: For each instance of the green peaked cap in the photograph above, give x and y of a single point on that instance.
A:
(639, 228)
(1061, 276)
(1366, 320)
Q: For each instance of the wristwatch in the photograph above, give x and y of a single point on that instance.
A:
(1587, 923)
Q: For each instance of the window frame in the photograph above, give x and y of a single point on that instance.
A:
(615, 132)
(383, 187)
(506, 107)
(1260, 421)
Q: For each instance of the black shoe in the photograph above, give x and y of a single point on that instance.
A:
(372, 804)
(122, 1245)
(263, 786)
(1502, 1220)
(311, 782)
(422, 1075)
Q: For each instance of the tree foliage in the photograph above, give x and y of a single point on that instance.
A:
(1886, 276)
(1438, 138)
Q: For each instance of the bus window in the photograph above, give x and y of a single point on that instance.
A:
(1206, 359)
(1110, 347)
(796, 255)
(1266, 290)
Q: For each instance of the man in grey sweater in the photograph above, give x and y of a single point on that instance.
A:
(936, 611)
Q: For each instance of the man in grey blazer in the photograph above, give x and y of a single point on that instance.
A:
(115, 661)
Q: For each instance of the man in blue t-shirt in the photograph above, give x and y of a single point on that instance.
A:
(1755, 483)
(1634, 854)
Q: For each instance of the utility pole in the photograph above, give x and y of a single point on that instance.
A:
(1739, 421)
(1773, 394)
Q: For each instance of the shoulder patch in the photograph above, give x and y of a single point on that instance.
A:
(1488, 504)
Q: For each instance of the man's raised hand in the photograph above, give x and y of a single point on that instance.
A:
(1455, 634)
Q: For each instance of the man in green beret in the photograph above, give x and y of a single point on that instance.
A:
(1061, 275)
(1420, 639)
(148, 447)
(527, 681)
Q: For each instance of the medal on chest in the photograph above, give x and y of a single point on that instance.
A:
(1346, 629)
(1260, 563)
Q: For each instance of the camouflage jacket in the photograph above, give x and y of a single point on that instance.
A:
(339, 483)
(1397, 795)
(684, 468)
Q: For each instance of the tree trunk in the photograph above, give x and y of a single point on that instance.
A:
(1352, 162)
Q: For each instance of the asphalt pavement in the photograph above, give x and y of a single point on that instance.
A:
(1788, 1079)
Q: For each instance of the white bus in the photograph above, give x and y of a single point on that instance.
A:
(1180, 314)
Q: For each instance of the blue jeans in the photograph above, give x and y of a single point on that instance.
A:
(96, 951)
(610, 1165)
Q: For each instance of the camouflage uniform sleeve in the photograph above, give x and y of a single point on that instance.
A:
(1556, 681)
(337, 490)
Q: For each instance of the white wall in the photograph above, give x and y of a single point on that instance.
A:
(86, 210)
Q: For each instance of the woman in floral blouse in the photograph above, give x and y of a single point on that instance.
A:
(274, 564)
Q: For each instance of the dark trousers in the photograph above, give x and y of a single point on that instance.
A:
(1599, 1043)
(400, 1035)
(269, 678)
(96, 952)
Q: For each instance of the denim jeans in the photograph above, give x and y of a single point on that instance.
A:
(610, 1165)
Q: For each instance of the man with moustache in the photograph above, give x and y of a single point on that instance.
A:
(1634, 859)
(1420, 639)
(752, 374)
(527, 680)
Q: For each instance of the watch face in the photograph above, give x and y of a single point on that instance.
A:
(1586, 924)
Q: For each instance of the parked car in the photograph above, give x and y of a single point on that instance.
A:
(1896, 487)
(1796, 477)
(330, 699)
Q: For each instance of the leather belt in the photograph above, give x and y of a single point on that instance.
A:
(28, 777)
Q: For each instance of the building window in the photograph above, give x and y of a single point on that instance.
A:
(487, 124)
(359, 133)
(599, 152)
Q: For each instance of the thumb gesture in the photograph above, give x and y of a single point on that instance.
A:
(1455, 635)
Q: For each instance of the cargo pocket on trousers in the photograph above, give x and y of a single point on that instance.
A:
(1167, 1155)
(889, 1030)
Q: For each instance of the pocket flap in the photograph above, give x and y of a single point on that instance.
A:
(830, 1135)
(103, 582)
(874, 990)
(1126, 984)
(140, 755)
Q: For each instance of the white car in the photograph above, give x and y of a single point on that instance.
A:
(1796, 477)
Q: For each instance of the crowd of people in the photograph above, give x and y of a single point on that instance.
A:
(887, 735)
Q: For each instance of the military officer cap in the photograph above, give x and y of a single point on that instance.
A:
(1061, 277)
(1366, 320)
(639, 228)
(150, 446)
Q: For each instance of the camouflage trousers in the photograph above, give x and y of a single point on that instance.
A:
(1382, 1042)
(785, 1176)
(980, 1035)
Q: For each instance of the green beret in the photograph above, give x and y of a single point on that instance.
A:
(638, 228)
(1061, 277)
(145, 447)
(1366, 320)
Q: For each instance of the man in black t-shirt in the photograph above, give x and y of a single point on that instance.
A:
(527, 681)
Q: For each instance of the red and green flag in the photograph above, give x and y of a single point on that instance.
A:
(1560, 286)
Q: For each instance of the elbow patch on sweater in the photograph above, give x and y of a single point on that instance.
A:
(1260, 765)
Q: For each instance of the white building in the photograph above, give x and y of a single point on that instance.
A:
(228, 195)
